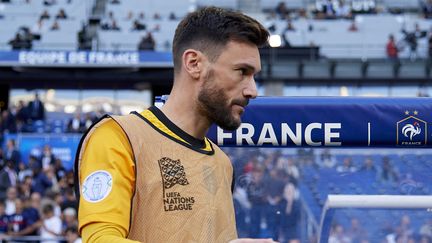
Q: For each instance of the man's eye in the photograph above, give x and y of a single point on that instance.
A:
(243, 71)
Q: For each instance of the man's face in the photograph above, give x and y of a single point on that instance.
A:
(229, 84)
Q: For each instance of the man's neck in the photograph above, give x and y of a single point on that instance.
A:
(183, 113)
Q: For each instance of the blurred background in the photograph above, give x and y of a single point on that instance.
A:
(64, 63)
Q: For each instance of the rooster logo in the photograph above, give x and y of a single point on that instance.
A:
(411, 130)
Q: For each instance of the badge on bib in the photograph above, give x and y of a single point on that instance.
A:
(97, 186)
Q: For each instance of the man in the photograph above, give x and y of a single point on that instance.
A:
(7, 179)
(36, 109)
(154, 176)
(12, 154)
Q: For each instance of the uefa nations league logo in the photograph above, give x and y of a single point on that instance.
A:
(411, 131)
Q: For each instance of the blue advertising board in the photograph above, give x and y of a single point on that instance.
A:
(297, 122)
(332, 122)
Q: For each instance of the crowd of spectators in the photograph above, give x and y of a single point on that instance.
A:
(19, 118)
(409, 41)
(266, 197)
(36, 198)
(24, 37)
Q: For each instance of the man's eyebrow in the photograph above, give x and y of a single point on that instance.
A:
(247, 66)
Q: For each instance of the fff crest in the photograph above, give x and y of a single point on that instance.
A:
(411, 131)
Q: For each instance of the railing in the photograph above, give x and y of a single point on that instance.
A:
(12, 239)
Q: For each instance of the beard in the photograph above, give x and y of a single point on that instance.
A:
(215, 105)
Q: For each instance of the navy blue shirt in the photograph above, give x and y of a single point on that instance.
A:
(17, 222)
(31, 216)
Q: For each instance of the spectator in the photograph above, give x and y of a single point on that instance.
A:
(141, 16)
(24, 188)
(356, 232)
(72, 235)
(353, 27)
(114, 26)
(55, 26)
(32, 217)
(347, 166)
(327, 160)
(427, 8)
(84, 39)
(16, 43)
(157, 16)
(147, 43)
(392, 50)
(24, 171)
(110, 23)
(387, 172)
(21, 116)
(289, 27)
(75, 124)
(258, 198)
(282, 10)
(21, 223)
(48, 159)
(11, 196)
(88, 120)
(343, 11)
(61, 14)
(4, 220)
(12, 154)
(172, 16)
(288, 166)
(426, 228)
(275, 204)
(328, 9)
(138, 26)
(51, 225)
(368, 166)
(49, 2)
(338, 235)
(36, 109)
(41, 181)
(36, 200)
(291, 213)
(8, 122)
(69, 219)
(44, 15)
(59, 170)
(7, 179)
(69, 200)
(411, 39)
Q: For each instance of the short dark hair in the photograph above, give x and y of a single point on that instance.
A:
(48, 208)
(210, 29)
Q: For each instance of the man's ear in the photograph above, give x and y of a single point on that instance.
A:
(193, 62)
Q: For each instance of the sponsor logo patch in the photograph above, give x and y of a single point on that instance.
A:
(97, 186)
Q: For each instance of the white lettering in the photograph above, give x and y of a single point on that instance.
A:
(308, 134)
(295, 138)
(240, 136)
(221, 135)
(267, 129)
(328, 134)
